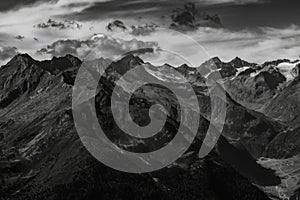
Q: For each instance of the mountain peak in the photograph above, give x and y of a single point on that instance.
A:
(60, 64)
(24, 59)
(216, 59)
(211, 64)
(126, 63)
(238, 62)
(185, 66)
(236, 59)
(132, 60)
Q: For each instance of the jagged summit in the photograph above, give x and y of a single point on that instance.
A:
(22, 75)
(126, 63)
(132, 59)
(24, 59)
(216, 59)
(22, 56)
(238, 63)
(275, 62)
(184, 68)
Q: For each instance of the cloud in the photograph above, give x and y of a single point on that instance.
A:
(136, 30)
(7, 52)
(42, 9)
(268, 43)
(4, 37)
(146, 8)
(189, 18)
(265, 44)
(19, 37)
(238, 2)
(66, 24)
(17, 4)
(141, 51)
(116, 24)
(142, 30)
(25, 18)
(257, 45)
(101, 44)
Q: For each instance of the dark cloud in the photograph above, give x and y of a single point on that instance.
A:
(16, 4)
(235, 14)
(158, 8)
(185, 18)
(103, 45)
(116, 24)
(136, 30)
(7, 52)
(275, 13)
(189, 18)
(19, 37)
(129, 8)
(66, 24)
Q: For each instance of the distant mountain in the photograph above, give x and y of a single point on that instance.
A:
(238, 63)
(226, 70)
(254, 88)
(271, 89)
(250, 84)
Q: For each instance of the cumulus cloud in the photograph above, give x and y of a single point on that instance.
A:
(66, 24)
(101, 45)
(7, 53)
(136, 30)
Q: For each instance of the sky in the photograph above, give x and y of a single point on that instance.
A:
(254, 30)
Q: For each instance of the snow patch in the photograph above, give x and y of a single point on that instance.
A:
(286, 69)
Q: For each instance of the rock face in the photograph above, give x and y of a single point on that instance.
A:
(285, 108)
(42, 156)
(254, 88)
(269, 90)
(226, 70)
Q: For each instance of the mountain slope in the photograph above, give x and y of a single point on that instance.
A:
(42, 156)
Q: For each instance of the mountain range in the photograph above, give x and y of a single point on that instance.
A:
(42, 156)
